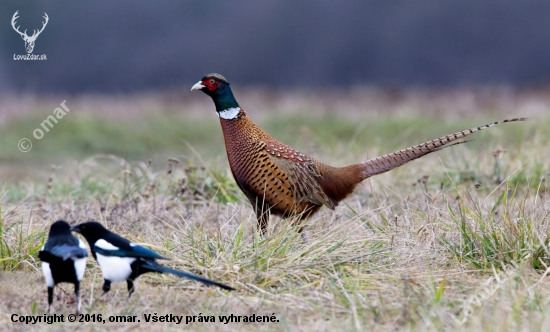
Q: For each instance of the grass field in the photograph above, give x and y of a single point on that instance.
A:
(457, 240)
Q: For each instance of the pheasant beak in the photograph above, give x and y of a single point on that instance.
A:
(197, 86)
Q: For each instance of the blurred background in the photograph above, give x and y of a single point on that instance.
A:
(328, 77)
(124, 46)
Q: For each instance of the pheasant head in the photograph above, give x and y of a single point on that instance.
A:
(217, 87)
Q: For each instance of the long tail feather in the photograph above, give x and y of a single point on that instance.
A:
(164, 269)
(390, 161)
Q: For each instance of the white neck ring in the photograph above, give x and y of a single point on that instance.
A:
(230, 113)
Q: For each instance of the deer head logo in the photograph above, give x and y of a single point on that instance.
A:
(29, 40)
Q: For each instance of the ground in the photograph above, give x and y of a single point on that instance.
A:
(457, 240)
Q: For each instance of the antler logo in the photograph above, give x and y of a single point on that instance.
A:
(29, 40)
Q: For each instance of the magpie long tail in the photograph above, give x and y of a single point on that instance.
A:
(164, 269)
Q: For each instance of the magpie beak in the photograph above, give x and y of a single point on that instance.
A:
(197, 86)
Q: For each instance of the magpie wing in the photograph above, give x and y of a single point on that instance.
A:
(64, 251)
(133, 251)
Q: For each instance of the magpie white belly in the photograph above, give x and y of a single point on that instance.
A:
(47, 274)
(80, 263)
(115, 269)
(80, 267)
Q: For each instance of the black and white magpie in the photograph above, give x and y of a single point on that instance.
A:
(122, 260)
(63, 259)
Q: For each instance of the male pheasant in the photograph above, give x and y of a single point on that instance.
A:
(280, 180)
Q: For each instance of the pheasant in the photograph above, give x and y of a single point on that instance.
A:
(280, 180)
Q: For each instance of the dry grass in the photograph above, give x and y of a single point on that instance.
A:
(409, 250)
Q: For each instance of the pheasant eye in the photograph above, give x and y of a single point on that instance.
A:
(212, 81)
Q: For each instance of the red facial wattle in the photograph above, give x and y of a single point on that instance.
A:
(211, 84)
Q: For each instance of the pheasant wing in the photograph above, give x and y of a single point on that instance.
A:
(303, 174)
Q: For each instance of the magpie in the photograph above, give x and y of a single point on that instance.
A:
(63, 259)
(120, 260)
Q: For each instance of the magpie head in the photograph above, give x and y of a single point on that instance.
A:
(60, 227)
(91, 230)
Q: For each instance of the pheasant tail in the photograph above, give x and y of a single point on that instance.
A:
(390, 161)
